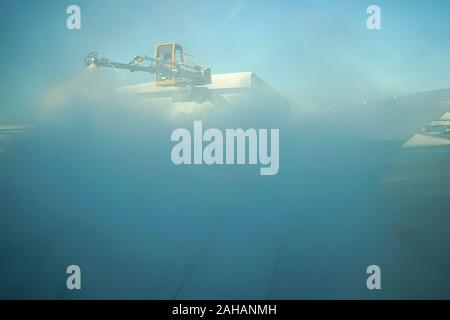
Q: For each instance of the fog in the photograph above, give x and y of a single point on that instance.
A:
(92, 182)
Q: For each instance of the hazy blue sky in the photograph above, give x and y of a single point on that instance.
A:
(316, 52)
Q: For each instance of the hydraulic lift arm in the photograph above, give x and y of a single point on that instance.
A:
(134, 65)
(191, 74)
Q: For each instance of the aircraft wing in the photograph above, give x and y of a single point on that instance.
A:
(8, 132)
(436, 134)
(398, 118)
(225, 89)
